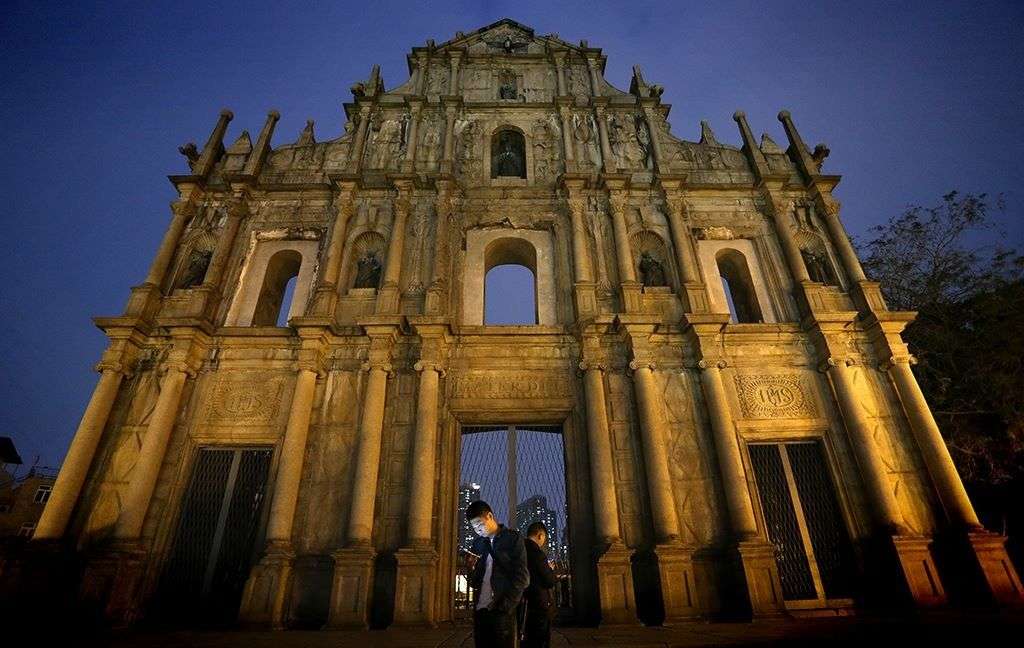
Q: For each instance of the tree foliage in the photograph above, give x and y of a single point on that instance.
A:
(968, 337)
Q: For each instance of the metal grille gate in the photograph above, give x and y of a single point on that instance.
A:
(801, 511)
(520, 472)
(219, 525)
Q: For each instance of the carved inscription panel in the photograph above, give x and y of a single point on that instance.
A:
(245, 399)
(774, 396)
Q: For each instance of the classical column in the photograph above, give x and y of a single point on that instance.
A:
(602, 475)
(151, 455)
(841, 240)
(326, 299)
(353, 564)
(614, 568)
(237, 210)
(76, 465)
(655, 450)
(417, 560)
(264, 598)
(780, 217)
(649, 120)
(727, 448)
(409, 163)
(422, 70)
(453, 75)
(692, 291)
(355, 161)
(869, 458)
(623, 252)
(183, 211)
(421, 487)
(387, 299)
(756, 556)
(607, 156)
(568, 150)
(559, 60)
(450, 111)
(444, 208)
(214, 145)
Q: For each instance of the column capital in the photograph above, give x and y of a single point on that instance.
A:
(892, 361)
(836, 361)
(594, 364)
(637, 364)
(188, 368)
(379, 365)
(711, 363)
(431, 365)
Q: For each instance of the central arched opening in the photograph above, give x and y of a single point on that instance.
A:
(510, 282)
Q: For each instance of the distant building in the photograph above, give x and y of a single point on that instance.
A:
(467, 493)
(21, 498)
(535, 509)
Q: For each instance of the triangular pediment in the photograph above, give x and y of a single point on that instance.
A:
(505, 36)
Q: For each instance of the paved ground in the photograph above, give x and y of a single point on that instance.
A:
(937, 629)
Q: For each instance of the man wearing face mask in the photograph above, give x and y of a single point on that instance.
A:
(499, 574)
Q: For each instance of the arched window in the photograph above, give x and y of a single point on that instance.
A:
(510, 284)
(508, 154)
(282, 268)
(739, 287)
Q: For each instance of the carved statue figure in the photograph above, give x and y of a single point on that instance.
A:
(643, 138)
(818, 267)
(190, 152)
(368, 271)
(431, 140)
(198, 262)
(651, 272)
(507, 89)
(387, 144)
(508, 159)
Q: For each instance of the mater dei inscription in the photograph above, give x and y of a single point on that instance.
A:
(774, 396)
(317, 495)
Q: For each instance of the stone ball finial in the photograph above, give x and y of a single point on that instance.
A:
(784, 115)
(227, 113)
(739, 115)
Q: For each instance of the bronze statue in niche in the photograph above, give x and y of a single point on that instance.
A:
(508, 154)
(652, 274)
(368, 271)
(198, 262)
(818, 267)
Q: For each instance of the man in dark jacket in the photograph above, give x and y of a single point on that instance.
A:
(540, 600)
(499, 575)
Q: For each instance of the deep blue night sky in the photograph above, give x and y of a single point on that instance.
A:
(913, 100)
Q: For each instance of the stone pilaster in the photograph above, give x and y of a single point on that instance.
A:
(618, 197)
(353, 563)
(417, 560)
(984, 551)
(387, 297)
(919, 576)
(325, 300)
(693, 295)
(755, 554)
(116, 364)
(264, 599)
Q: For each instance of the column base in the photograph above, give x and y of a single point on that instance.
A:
(696, 298)
(632, 297)
(918, 570)
(761, 574)
(615, 586)
(387, 300)
(265, 597)
(585, 297)
(414, 593)
(350, 589)
(112, 582)
(1000, 578)
(678, 583)
(144, 301)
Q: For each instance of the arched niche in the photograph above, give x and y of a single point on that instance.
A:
(708, 251)
(266, 271)
(487, 248)
(492, 155)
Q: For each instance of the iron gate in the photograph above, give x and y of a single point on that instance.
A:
(802, 515)
(520, 472)
(217, 531)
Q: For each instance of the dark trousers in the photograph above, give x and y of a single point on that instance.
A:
(494, 630)
(537, 629)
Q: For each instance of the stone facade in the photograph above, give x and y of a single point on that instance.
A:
(504, 146)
